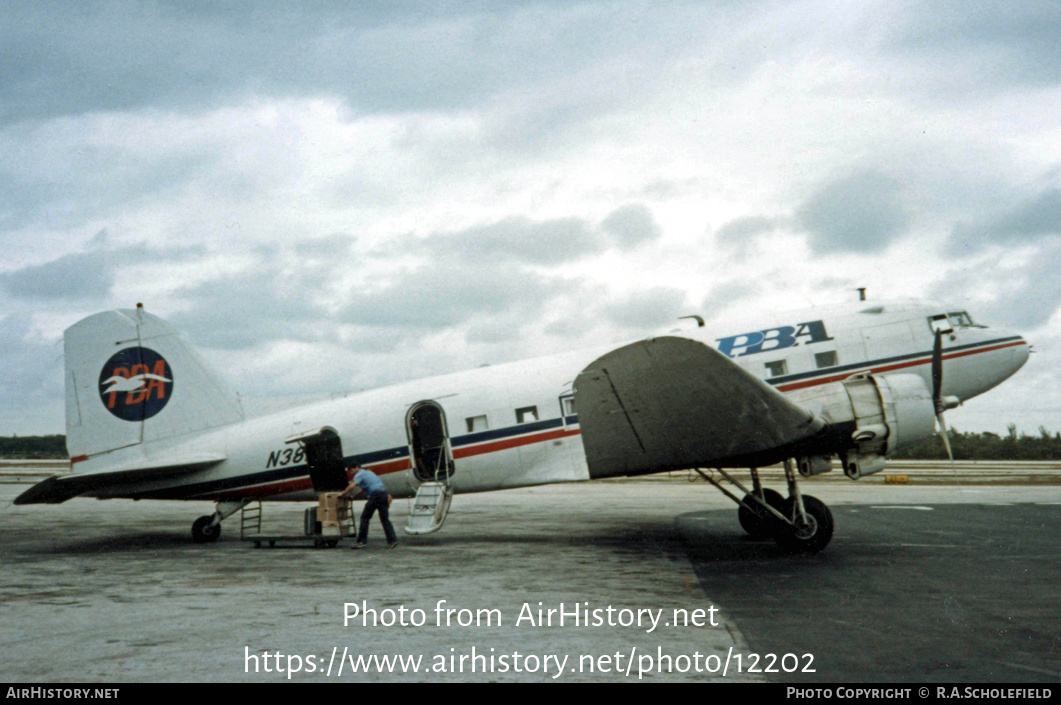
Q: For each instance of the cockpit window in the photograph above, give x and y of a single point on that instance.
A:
(947, 322)
(941, 323)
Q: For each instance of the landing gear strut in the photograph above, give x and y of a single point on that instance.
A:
(809, 533)
(798, 524)
(753, 516)
(207, 528)
(810, 523)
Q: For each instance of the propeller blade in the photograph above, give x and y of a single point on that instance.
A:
(937, 389)
(937, 371)
(944, 434)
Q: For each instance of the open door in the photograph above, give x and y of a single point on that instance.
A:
(432, 461)
(324, 457)
(429, 447)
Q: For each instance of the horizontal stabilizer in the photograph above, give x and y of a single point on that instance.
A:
(671, 403)
(59, 488)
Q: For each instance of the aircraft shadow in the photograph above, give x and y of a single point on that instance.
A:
(716, 536)
(127, 543)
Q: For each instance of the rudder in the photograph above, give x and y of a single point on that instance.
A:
(131, 378)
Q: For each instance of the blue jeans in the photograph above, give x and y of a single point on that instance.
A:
(376, 500)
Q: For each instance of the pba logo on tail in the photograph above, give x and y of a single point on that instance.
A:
(135, 384)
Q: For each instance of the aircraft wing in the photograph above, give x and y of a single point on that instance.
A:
(671, 403)
(59, 488)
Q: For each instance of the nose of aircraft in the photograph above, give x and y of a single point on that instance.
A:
(1018, 353)
(1004, 352)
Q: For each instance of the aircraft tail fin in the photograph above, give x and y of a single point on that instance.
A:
(131, 378)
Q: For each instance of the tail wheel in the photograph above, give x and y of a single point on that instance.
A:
(758, 522)
(204, 530)
(809, 536)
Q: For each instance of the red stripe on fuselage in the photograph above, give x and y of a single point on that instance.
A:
(889, 368)
(507, 443)
(300, 484)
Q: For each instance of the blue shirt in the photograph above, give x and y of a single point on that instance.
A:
(369, 482)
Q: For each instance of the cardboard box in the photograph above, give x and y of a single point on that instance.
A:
(334, 514)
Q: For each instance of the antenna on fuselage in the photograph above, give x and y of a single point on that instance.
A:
(861, 293)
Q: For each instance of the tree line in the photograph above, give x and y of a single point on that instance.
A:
(33, 447)
(966, 446)
(988, 446)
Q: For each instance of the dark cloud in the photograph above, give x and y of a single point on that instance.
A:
(501, 329)
(328, 248)
(1025, 299)
(725, 294)
(859, 213)
(86, 275)
(31, 380)
(654, 308)
(60, 59)
(24, 359)
(519, 240)
(1007, 43)
(261, 305)
(631, 225)
(740, 236)
(438, 295)
(743, 228)
(1029, 221)
(63, 175)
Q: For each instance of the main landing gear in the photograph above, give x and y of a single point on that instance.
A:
(798, 524)
(207, 529)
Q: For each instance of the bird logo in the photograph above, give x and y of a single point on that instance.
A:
(130, 384)
(135, 384)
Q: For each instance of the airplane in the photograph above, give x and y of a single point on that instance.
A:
(146, 418)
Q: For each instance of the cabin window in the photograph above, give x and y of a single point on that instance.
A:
(527, 414)
(941, 323)
(477, 423)
(777, 368)
(960, 319)
(825, 359)
(569, 406)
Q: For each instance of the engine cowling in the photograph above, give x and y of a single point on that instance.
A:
(881, 413)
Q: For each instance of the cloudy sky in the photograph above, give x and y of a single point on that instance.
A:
(330, 196)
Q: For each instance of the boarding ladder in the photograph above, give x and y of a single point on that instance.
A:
(431, 504)
(250, 520)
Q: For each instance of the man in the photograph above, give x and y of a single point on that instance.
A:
(368, 482)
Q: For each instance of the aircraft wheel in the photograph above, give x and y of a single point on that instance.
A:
(203, 531)
(812, 536)
(760, 523)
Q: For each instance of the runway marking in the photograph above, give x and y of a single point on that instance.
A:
(902, 506)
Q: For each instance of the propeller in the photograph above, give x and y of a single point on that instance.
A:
(941, 404)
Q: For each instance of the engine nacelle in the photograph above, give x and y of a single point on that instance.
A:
(886, 413)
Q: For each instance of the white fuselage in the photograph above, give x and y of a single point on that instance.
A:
(512, 425)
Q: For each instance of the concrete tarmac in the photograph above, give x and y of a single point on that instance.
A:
(919, 584)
